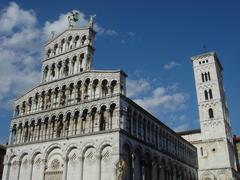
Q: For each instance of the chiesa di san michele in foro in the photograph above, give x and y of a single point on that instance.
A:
(78, 124)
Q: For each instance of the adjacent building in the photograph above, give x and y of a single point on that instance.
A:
(2, 154)
(236, 140)
(78, 124)
(214, 140)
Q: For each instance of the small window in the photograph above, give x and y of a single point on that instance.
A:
(206, 77)
(200, 62)
(203, 77)
(201, 149)
(206, 95)
(210, 94)
(210, 113)
(209, 77)
(203, 62)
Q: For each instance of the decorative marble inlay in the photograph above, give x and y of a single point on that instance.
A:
(55, 164)
(74, 157)
(106, 155)
(38, 162)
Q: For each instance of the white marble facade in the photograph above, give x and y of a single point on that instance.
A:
(77, 124)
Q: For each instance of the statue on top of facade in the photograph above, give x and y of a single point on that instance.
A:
(73, 18)
(91, 21)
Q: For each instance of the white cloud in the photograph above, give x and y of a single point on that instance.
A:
(136, 87)
(19, 47)
(14, 17)
(163, 99)
(171, 65)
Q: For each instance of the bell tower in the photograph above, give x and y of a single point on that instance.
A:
(217, 143)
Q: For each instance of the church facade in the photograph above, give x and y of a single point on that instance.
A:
(217, 157)
(78, 124)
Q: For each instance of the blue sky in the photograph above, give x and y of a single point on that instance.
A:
(152, 41)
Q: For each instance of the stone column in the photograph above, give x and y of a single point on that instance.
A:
(116, 119)
(20, 135)
(31, 168)
(56, 72)
(73, 98)
(17, 135)
(97, 121)
(49, 129)
(36, 134)
(64, 133)
(18, 170)
(6, 170)
(65, 170)
(48, 75)
(39, 103)
(72, 120)
(78, 124)
(54, 129)
(81, 167)
(34, 105)
(67, 95)
(44, 167)
(76, 69)
(99, 157)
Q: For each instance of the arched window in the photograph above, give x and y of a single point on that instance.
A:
(76, 42)
(203, 77)
(113, 86)
(209, 77)
(206, 76)
(206, 95)
(69, 43)
(81, 62)
(17, 111)
(86, 90)
(94, 88)
(210, 93)
(103, 118)
(74, 65)
(79, 91)
(201, 149)
(53, 70)
(48, 53)
(104, 88)
(210, 113)
(55, 52)
(70, 91)
(59, 127)
(66, 67)
(83, 41)
(62, 47)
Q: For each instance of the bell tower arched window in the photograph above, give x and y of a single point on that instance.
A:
(206, 95)
(210, 113)
(210, 93)
(203, 79)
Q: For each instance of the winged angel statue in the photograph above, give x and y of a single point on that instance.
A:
(73, 18)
